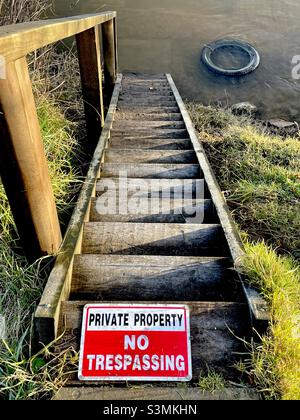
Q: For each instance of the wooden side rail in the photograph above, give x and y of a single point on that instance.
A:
(23, 166)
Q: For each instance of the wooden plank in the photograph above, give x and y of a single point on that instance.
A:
(174, 188)
(152, 144)
(215, 331)
(88, 46)
(150, 393)
(153, 210)
(114, 277)
(58, 285)
(24, 168)
(140, 116)
(148, 170)
(260, 311)
(151, 239)
(109, 56)
(20, 39)
(150, 156)
(132, 91)
(150, 110)
(136, 125)
(150, 133)
(147, 100)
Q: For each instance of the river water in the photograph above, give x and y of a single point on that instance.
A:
(168, 35)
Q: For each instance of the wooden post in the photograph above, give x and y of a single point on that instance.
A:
(109, 54)
(23, 165)
(88, 46)
(116, 46)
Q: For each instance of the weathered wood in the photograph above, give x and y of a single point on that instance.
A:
(149, 91)
(150, 111)
(260, 311)
(215, 328)
(150, 134)
(151, 144)
(153, 211)
(109, 55)
(150, 393)
(18, 40)
(58, 286)
(157, 278)
(89, 55)
(151, 239)
(135, 125)
(174, 188)
(150, 156)
(147, 102)
(140, 116)
(148, 170)
(24, 169)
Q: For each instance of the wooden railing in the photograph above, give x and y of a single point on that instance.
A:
(23, 165)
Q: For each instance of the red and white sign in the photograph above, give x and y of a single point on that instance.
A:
(135, 342)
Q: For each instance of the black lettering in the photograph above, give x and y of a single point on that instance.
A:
(114, 321)
(98, 320)
(167, 320)
(91, 319)
(142, 320)
(155, 319)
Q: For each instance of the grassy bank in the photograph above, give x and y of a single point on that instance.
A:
(23, 374)
(260, 176)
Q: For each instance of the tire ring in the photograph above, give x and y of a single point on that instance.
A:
(208, 50)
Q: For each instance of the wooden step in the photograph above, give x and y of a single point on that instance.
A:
(151, 110)
(153, 393)
(145, 104)
(149, 90)
(150, 156)
(126, 125)
(151, 170)
(144, 116)
(151, 144)
(154, 239)
(150, 134)
(151, 210)
(139, 277)
(215, 328)
(175, 188)
(146, 99)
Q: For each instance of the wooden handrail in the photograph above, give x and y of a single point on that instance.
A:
(23, 165)
(20, 39)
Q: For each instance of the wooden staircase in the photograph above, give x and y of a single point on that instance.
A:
(160, 252)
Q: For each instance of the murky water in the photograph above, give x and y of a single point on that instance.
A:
(168, 35)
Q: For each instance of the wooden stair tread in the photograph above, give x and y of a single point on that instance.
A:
(155, 187)
(150, 156)
(151, 144)
(152, 210)
(156, 278)
(155, 238)
(152, 393)
(144, 133)
(215, 331)
(134, 125)
(150, 111)
(149, 170)
(144, 116)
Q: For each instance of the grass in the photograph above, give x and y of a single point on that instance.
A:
(24, 374)
(211, 382)
(260, 176)
(21, 284)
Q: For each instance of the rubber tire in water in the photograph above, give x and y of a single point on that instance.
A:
(253, 63)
